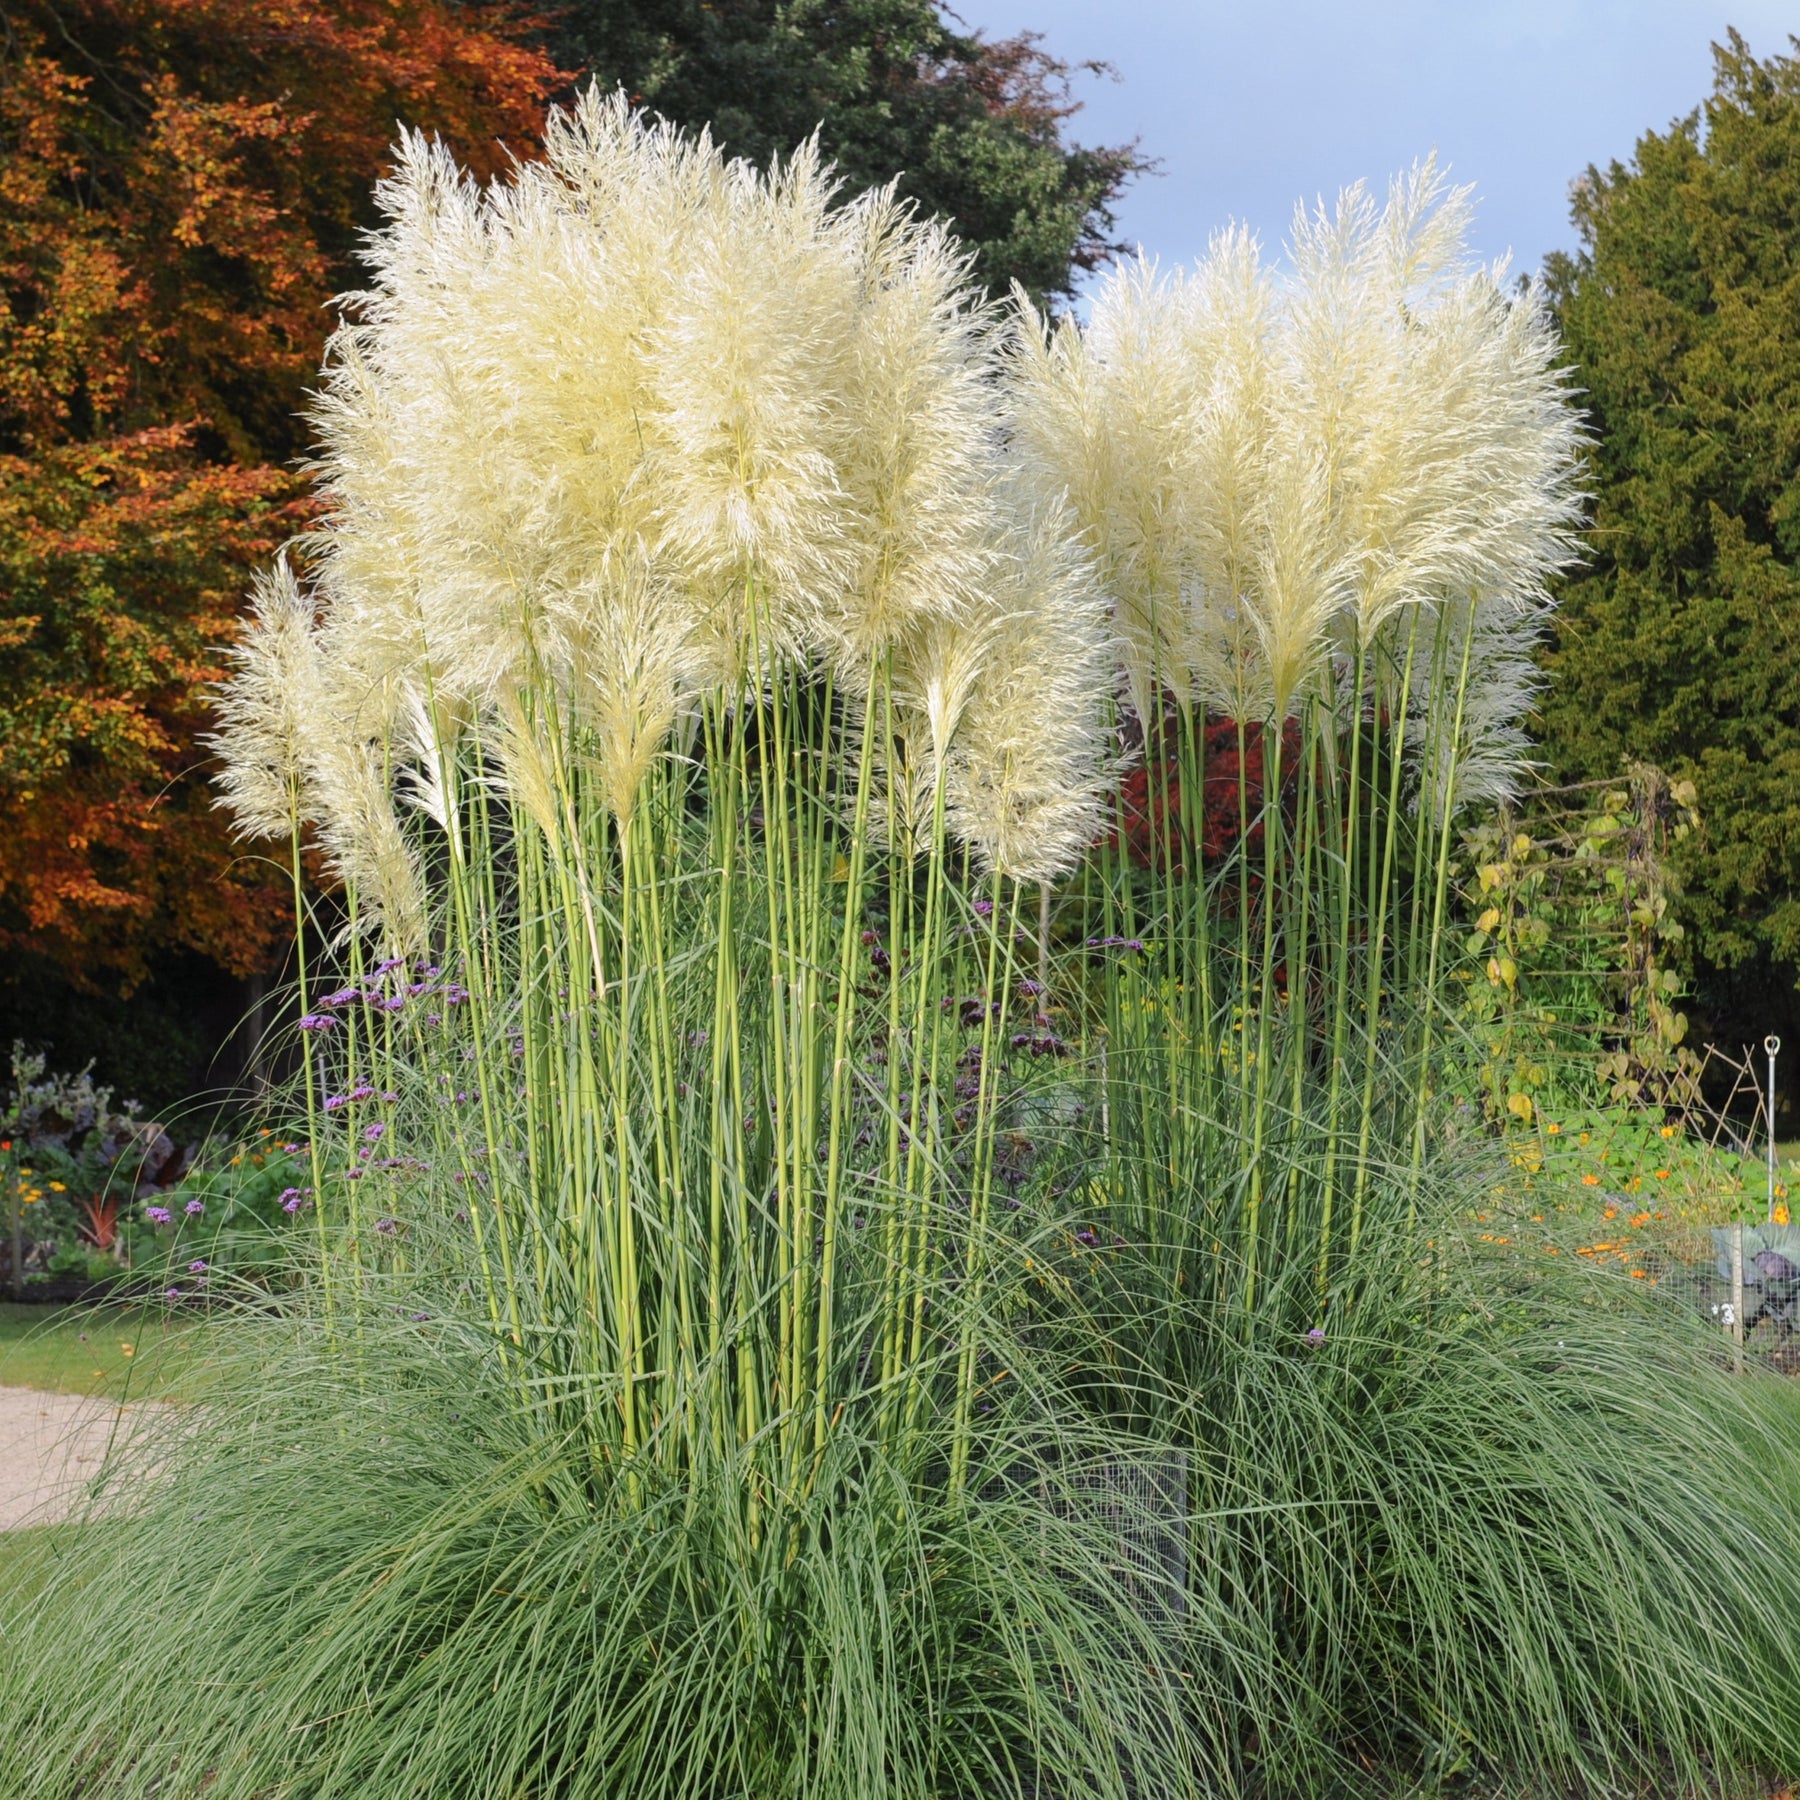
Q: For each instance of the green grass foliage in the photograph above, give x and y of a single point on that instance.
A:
(1487, 1521)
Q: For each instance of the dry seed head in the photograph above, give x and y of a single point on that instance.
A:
(916, 466)
(1485, 759)
(1100, 418)
(747, 370)
(349, 781)
(637, 664)
(1273, 471)
(1025, 777)
(931, 678)
(269, 707)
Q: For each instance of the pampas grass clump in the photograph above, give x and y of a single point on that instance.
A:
(776, 1313)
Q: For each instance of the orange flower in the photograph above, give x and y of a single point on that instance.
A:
(1590, 1181)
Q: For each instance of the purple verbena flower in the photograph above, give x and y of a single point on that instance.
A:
(390, 965)
(374, 1133)
(362, 1091)
(171, 1293)
(334, 1101)
(387, 1227)
(157, 1215)
(197, 1266)
(1316, 1335)
(195, 1208)
(393, 1003)
(316, 1022)
(983, 908)
(292, 1200)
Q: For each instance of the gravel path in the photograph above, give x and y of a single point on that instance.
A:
(49, 1445)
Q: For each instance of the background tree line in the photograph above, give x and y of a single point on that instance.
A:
(1679, 641)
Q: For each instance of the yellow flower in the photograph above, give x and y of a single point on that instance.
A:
(56, 1187)
(1553, 1129)
(1662, 1174)
(1668, 1131)
(1590, 1180)
(1582, 1139)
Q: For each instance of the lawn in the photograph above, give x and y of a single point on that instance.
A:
(116, 1352)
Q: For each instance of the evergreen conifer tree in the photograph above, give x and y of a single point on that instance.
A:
(1679, 642)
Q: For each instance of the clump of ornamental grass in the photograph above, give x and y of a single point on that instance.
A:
(1493, 1522)
(377, 1573)
(781, 1314)
(1500, 1517)
(681, 690)
(1323, 502)
(667, 573)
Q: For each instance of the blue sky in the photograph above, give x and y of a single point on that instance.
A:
(1250, 106)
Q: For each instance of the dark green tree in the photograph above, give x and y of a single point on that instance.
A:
(972, 127)
(1679, 642)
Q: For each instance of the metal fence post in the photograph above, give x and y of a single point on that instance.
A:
(1737, 1296)
(1772, 1048)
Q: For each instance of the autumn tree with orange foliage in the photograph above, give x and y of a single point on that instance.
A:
(181, 187)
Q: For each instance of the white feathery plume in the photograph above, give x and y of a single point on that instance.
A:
(1101, 421)
(268, 708)
(525, 773)
(1025, 777)
(429, 731)
(635, 666)
(917, 462)
(1300, 462)
(1485, 760)
(933, 675)
(349, 795)
(1229, 313)
(747, 369)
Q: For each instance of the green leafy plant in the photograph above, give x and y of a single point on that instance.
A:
(1571, 988)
